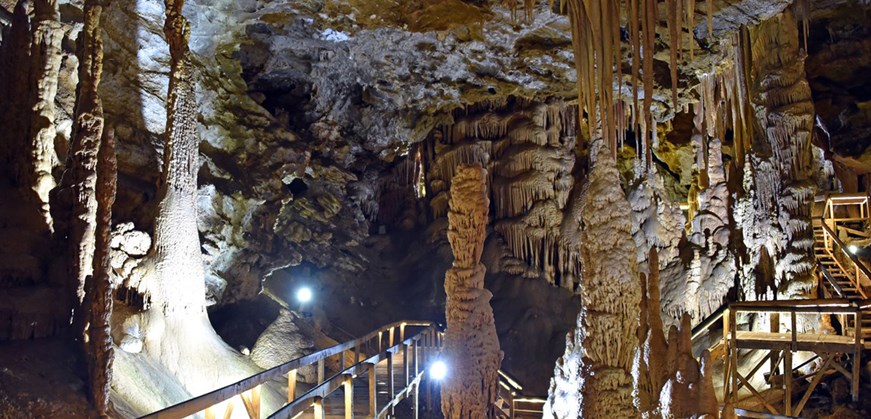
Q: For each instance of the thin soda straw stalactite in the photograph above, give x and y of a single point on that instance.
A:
(691, 24)
(710, 10)
(649, 29)
(635, 42)
(674, 29)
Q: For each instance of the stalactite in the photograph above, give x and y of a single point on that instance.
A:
(691, 24)
(649, 36)
(14, 79)
(471, 343)
(674, 30)
(45, 57)
(710, 11)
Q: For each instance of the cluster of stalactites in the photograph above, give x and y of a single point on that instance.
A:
(596, 34)
(528, 149)
(724, 105)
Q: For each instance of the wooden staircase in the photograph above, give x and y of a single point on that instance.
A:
(842, 274)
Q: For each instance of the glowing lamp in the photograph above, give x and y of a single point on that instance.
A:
(304, 295)
(853, 248)
(438, 370)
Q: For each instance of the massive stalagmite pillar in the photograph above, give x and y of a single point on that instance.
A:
(180, 287)
(177, 333)
(79, 183)
(471, 344)
(593, 379)
(780, 160)
(99, 299)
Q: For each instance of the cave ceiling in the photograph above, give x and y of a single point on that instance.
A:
(307, 106)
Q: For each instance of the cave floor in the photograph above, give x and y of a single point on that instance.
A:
(39, 379)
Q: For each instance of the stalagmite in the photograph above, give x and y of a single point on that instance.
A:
(175, 329)
(36, 173)
(99, 286)
(180, 289)
(79, 182)
(689, 390)
(594, 376)
(471, 344)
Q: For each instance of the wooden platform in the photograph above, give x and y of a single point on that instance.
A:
(804, 342)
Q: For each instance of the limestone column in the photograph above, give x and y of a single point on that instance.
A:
(593, 379)
(471, 343)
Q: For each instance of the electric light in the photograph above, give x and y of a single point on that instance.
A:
(304, 294)
(439, 370)
(853, 248)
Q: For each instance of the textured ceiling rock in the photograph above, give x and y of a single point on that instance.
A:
(839, 57)
(333, 59)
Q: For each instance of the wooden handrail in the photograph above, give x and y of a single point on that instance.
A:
(820, 305)
(831, 280)
(857, 264)
(709, 321)
(321, 391)
(203, 402)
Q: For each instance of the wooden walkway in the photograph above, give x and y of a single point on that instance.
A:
(843, 284)
(377, 372)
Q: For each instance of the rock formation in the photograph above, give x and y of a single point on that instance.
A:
(99, 296)
(778, 170)
(45, 55)
(594, 377)
(688, 391)
(471, 344)
(175, 329)
(78, 185)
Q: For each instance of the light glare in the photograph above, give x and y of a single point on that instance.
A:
(438, 371)
(304, 294)
(853, 248)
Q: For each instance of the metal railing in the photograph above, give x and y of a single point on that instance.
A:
(423, 346)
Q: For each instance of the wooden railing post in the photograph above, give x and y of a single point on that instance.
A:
(417, 400)
(733, 326)
(727, 378)
(373, 396)
(405, 364)
(291, 386)
(391, 389)
(415, 344)
(320, 370)
(857, 353)
(380, 340)
(774, 327)
(319, 408)
(349, 396)
(787, 369)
